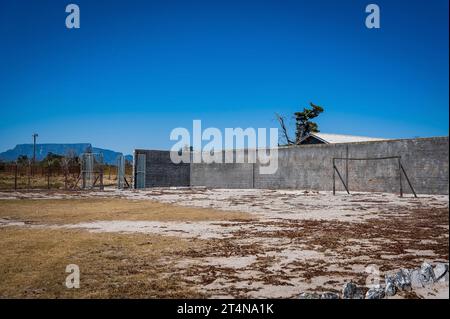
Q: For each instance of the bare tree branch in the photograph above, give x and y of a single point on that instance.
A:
(284, 129)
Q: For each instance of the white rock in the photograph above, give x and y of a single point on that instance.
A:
(440, 270)
(351, 291)
(444, 279)
(329, 295)
(427, 274)
(375, 293)
(390, 289)
(307, 295)
(416, 278)
(403, 279)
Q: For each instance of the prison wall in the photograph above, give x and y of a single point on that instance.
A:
(310, 167)
(160, 171)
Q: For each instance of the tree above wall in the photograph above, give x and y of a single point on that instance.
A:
(303, 124)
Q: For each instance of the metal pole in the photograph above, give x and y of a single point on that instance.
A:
(409, 182)
(48, 176)
(253, 175)
(346, 165)
(15, 177)
(342, 180)
(334, 179)
(34, 150)
(29, 175)
(101, 178)
(102, 169)
(400, 177)
(83, 171)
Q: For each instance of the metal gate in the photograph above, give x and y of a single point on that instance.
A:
(140, 170)
(91, 174)
(121, 172)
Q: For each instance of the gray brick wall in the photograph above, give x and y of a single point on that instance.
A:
(310, 167)
(161, 172)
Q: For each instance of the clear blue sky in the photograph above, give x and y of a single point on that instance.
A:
(137, 69)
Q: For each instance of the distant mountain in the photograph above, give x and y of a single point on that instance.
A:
(109, 156)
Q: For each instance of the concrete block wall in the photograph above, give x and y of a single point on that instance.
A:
(310, 167)
(161, 172)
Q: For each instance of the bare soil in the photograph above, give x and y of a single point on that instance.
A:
(213, 243)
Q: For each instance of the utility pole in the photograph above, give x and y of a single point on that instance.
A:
(34, 152)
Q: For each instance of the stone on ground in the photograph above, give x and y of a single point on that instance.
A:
(403, 280)
(351, 291)
(307, 295)
(440, 270)
(329, 295)
(375, 293)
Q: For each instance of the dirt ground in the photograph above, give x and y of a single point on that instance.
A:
(197, 242)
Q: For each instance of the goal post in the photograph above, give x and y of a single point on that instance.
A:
(401, 172)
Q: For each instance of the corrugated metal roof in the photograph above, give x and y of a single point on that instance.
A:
(338, 138)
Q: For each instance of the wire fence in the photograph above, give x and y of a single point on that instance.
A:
(20, 176)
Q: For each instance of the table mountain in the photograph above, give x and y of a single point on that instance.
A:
(109, 156)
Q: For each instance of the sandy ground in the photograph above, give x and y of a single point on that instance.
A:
(294, 241)
(279, 204)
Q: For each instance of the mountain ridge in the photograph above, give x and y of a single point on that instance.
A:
(109, 156)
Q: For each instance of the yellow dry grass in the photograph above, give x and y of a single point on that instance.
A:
(112, 265)
(33, 264)
(63, 211)
(39, 181)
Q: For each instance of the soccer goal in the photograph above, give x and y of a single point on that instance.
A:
(400, 171)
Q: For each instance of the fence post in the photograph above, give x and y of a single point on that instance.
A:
(101, 178)
(15, 177)
(400, 176)
(29, 175)
(48, 177)
(334, 179)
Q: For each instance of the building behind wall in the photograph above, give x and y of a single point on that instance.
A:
(325, 138)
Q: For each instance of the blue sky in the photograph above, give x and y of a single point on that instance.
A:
(137, 69)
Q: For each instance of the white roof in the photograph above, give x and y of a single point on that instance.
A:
(338, 138)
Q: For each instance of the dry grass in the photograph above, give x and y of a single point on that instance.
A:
(33, 263)
(39, 181)
(113, 265)
(7, 181)
(63, 211)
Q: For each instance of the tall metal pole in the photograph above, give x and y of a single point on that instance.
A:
(400, 176)
(346, 165)
(334, 178)
(15, 176)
